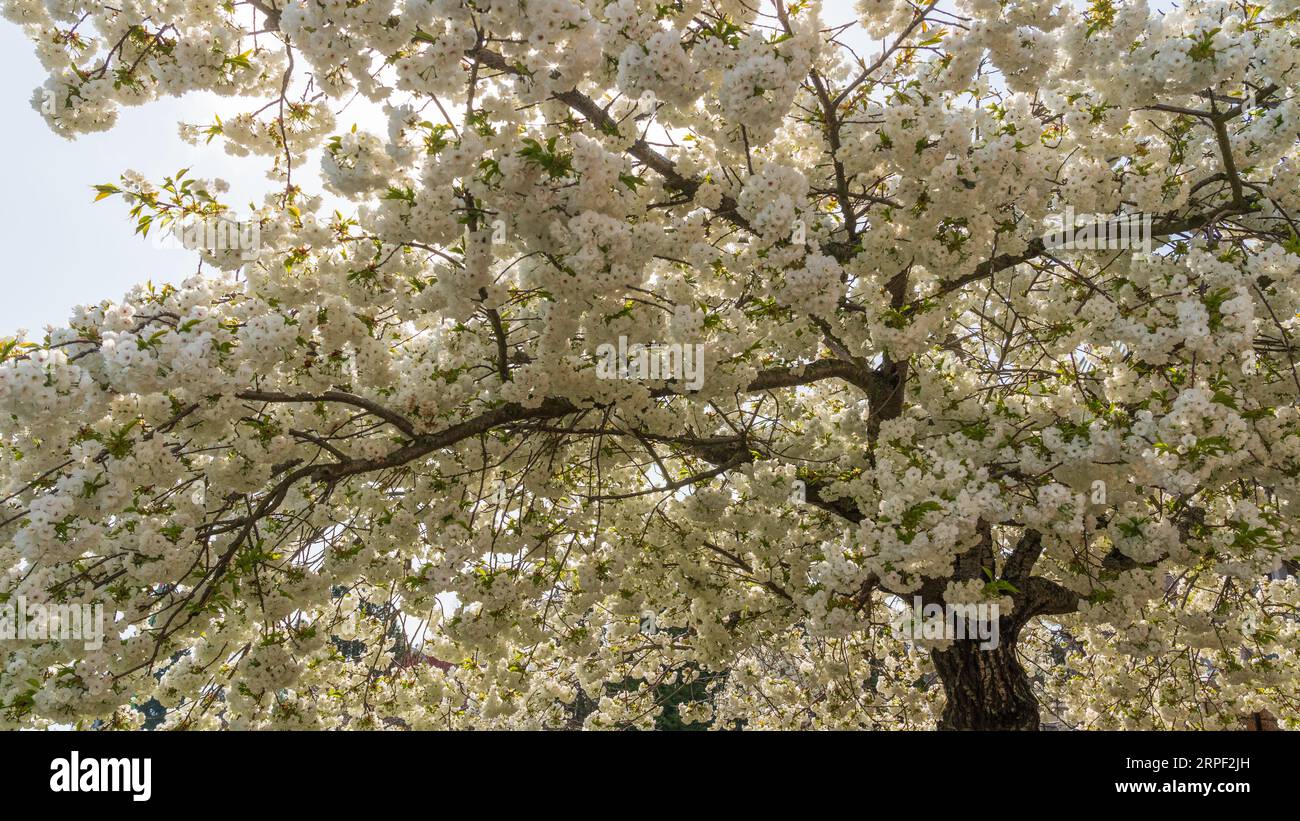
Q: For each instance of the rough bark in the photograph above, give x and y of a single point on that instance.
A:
(985, 689)
(988, 689)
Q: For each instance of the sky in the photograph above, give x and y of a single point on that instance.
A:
(65, 248)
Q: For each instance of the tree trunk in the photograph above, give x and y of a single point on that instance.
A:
(986, 689)
(1263, 720)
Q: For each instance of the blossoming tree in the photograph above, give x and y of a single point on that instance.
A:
(368, 475)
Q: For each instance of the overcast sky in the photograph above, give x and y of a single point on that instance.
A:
(65, 248)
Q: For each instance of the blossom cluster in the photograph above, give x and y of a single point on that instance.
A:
(367, 473)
